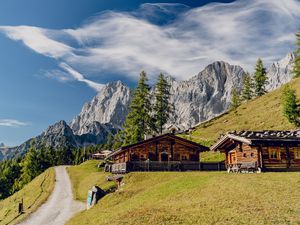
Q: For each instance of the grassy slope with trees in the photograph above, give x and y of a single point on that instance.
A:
(194, 198)
(262, 113)
(33, 194)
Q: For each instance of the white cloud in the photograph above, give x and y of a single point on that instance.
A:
(79, 77)
(59, 75)
(12, 123)
(125, 43)
(36, 38)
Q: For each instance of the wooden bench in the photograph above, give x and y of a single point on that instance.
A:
(244, 167)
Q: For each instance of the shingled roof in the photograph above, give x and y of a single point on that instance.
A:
(157, 138)
(255, 137)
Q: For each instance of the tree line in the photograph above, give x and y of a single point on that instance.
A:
(17, 172)
(148, 112)
(252, 86)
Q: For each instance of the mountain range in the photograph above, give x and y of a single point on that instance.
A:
(200, 98)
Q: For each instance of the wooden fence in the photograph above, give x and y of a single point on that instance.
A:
(166, 166)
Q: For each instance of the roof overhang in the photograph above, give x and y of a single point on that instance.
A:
(229, 137)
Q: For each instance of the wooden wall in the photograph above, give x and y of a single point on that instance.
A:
(243, 153)
(286, 160)
(261, 154)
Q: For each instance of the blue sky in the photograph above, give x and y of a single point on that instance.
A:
(55, 55)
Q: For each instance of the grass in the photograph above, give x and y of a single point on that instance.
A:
(33, 194)
(210, 156)
(205, 197)
(86, 175)
(199, 198)
(263, 113)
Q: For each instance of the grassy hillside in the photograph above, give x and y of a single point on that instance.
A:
(198, 198)
(34, 194)
(259, 114)
(86, 175)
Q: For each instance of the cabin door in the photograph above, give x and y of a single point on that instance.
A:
(164, 157)
(232, 158)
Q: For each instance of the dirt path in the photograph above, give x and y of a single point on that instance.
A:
(60, 206)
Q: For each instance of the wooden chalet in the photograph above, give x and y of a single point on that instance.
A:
(100, 155)
(264, 150)
(164, 152)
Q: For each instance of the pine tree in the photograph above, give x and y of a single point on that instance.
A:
(110, 141)
(290, 107)
(247, 91)
(260, 78)
(30, 167)
(296, 68)
(139, 121)
(162, 107)
(118, 139)
(235, 100)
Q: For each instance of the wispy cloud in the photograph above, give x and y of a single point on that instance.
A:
(124, 43)
(79, 77)
(12, 123)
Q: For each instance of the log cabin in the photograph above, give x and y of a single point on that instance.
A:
(164, 152)
(268, 150)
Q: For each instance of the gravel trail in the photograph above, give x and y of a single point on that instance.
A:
(60, 206)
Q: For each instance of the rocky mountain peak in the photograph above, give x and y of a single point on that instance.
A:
(59, 128)
(280, 72)
(110, 105)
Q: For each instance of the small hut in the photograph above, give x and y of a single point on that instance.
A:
(266, 150)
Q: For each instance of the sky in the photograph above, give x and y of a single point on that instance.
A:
(55, 55)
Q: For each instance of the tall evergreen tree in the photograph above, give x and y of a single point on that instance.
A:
(247, 91)
(290, 107)
(162, 107)
(260, 78)
(118, 139)
(296, 68)
(235, 99)
(109, 142)
(139, 121)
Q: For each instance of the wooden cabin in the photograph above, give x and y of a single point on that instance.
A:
(100, 155)
(164, 152)
(267, 150)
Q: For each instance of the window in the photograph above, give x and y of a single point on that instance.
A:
(245, 155)
(252, 155)
(142, 158)
(274, 153)
(297, 153)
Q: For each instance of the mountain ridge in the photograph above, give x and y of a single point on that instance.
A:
(198, 99)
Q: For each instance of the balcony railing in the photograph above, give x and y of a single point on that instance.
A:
(166, 166)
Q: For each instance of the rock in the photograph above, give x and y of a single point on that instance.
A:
(280, 72)
(109, 106)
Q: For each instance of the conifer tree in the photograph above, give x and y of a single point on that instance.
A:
(296, 68)
(260, 78)
(110, 141)
(162, 107)
(290, 107)
(247, 91)
(118, 139)
(139, 121)
(235, 100)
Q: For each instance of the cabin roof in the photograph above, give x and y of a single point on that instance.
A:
(257, 137)
(157, 138)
